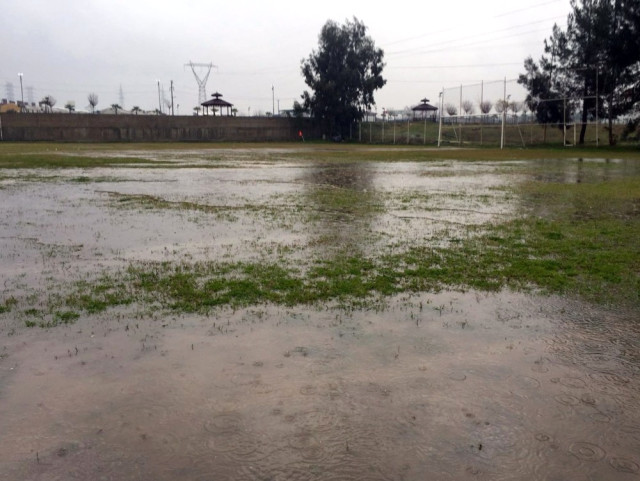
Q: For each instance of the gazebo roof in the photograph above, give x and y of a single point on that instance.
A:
(425, 106)
(216, 101)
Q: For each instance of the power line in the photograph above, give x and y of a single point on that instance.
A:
(477, 65)
(538, 5)
(470, 37)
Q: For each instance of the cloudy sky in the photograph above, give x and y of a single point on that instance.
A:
(68, 48)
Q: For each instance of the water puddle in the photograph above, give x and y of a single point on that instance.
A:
(490, 386)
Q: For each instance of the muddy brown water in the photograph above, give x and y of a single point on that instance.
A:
(432, 386)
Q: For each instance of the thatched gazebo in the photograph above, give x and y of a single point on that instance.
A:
(424, 110)
(217, 103)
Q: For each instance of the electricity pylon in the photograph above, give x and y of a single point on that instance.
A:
(202, 82)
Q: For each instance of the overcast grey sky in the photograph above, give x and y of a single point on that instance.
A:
(68, 48)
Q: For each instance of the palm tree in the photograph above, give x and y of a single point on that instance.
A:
(115, 107)
(70, 106)
(197, 110)
(135, 109)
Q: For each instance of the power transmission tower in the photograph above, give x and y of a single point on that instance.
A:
(202, 82)
(9, 89)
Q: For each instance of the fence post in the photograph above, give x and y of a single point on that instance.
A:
(504, 113)
(440, 123)
(459, 116)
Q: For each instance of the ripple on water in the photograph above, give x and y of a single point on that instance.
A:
(311, 447)
(587, 451)
(573, 382)
(225, 423)
(600, 417)
(542, 437)
(320, 420)
(567, 399)
(624, 465)
(525, 383)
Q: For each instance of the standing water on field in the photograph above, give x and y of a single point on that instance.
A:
(116, 362)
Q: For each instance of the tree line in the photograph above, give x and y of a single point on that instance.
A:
(592, 65)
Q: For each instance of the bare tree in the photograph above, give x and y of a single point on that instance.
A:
(485, 106)
(93, 101)
(49, 101)
(468, 107)
(501, 105)
(515, 107)
(451, 109)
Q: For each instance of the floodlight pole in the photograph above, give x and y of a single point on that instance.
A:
(21, 93)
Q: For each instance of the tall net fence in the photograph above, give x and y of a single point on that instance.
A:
(488, 113)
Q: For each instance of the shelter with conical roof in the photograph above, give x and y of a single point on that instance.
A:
(217, 103)
(424, 110)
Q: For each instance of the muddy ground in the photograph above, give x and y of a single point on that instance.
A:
(444, 385)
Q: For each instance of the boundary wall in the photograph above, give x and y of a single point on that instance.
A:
(149, 128)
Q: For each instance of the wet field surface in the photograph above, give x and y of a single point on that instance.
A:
(448, 385)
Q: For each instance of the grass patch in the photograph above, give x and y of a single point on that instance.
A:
(577, 239)
(60, 160)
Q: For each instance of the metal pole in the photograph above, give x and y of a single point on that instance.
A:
(394, 132)
(172, 97)
(21, 93)
(504, 112)
(597, 102)
(425, 130)
(564, 121)
(460, 115)
(159, 102)
(408, 132)
(440, 122)
(481, 112)
(273, 101)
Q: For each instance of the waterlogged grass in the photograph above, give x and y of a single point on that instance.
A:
(574, 235)
(574, 239)
(61, 160)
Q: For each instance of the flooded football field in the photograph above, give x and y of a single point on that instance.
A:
(448, 383)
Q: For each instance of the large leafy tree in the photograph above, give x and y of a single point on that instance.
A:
(596, 56)
(343, 74)
(547, 85)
